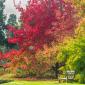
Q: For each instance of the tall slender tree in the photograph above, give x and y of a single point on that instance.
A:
(2, 26)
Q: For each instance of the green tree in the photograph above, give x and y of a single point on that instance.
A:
(72, 52)
(2, 26)
(12, 20)
(4, 45)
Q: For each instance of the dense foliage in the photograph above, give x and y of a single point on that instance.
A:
(47, 38)
(2, 26)
(80, 5)
(12, 20)
(72, 52)
(49, 23)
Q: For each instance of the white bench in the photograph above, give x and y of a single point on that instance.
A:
(67, 76)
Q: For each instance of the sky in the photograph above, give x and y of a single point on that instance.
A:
(10, 9)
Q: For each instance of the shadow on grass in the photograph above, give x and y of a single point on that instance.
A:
(5, 81)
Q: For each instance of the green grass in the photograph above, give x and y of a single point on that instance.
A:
(22, 82)
(38, 83)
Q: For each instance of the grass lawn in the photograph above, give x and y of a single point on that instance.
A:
(38, 83)
(23, 82)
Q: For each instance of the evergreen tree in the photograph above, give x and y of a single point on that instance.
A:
(2, 26)
(12, 20)
(4, 45)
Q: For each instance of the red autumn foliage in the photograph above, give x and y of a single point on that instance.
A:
(43, 22)
(13, 57)
(1, 55)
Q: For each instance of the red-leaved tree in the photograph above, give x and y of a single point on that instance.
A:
(43, 23)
